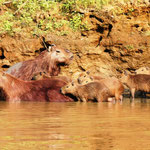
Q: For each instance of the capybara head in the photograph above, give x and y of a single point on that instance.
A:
(84, 78)
(143, 70)
(39, 76)
(60, 55)
(69, 88)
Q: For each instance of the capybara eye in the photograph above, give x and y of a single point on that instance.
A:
(57, 51)
(85, 76)
(67, 51)
(53, 45)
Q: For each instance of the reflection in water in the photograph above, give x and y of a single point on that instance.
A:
(71, 126)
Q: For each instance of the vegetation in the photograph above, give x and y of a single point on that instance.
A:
(41, 16)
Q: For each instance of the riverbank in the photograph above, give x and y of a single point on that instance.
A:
(112, 42)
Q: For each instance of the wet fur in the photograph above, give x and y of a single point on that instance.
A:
(42, 75)
(41, 90)
(91, 91)
(115, 87)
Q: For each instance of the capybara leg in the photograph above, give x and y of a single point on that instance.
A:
(144, 94)
(99, 98)
(111, 99)
(79, 99)
(117, 96)
(121, 98)
(84, 99)
(133, 93)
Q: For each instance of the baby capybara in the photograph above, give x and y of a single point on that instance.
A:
(115, 87)
(91, 91)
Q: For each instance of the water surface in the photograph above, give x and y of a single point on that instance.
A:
(75, 126)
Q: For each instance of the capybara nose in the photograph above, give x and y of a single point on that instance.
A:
(61, 91)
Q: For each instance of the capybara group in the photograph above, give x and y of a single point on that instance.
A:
(115, 87)
(48, 61)
(47, 85)
(136, 82)
(91, 91)
(41, 90)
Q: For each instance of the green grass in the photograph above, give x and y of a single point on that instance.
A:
(42, 16)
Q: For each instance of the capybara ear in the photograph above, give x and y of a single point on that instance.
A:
(88, 72)
(78, 80)
(91, 78)
(49, 48)
(147, 68)
(53, 45)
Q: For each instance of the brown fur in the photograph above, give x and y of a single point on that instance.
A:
(114, 85)
(90, 91)
(42, 75)
(84, 78)
(48, 61)
(41, 90)
(136, 82)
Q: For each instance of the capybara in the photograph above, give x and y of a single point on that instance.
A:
(48, 61)
(143, 70)
(136, 82)
(91, 91)
(41, 90)
(115, 87)
(85, 77)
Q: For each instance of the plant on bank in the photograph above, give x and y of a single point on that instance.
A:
(41, 16)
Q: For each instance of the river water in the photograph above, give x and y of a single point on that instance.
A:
(75, 126)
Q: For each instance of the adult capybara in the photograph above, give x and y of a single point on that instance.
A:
(41, 90)
(115, 87)
(48, 61)
(143, 70)
(91, 91)
(136, 82)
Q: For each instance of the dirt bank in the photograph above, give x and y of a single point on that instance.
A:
(114, 43)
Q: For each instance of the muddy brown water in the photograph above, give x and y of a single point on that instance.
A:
(75, 126)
